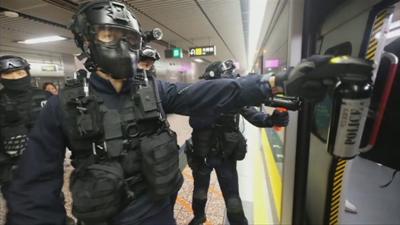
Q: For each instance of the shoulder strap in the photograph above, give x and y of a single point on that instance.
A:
(158, 101)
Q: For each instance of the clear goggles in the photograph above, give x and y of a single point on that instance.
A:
(111, 35)
(11, 64)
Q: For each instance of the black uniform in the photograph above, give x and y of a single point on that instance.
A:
(19, 111)
(20, 104)
(218, 144)
(221, 144)
(33, 197)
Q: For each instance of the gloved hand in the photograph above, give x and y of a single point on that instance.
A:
(279, 118)
(302, 82)
(291, 77)
(14, 146)
(296, 81)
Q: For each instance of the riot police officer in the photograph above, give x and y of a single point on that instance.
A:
(218, 146)
(124, 154)
(20, 104)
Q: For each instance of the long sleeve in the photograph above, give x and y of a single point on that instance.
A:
(209, 98)
(255, 117)
(34, 194)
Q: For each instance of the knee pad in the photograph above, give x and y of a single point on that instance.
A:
(200, 194)
(234, 205)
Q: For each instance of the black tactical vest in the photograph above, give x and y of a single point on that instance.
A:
(18, 115)
(136, 136)
(224, 140)
(228, 121)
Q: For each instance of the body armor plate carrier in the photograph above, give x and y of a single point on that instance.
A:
(118, 154)
(224, 140)
(17, 117)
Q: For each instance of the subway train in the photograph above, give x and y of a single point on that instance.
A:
(300, 174)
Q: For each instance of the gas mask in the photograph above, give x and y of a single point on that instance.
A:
(116, 51)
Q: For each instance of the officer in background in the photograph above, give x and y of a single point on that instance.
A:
(124, 154)
(218, 146)
(50, 87)
(20, 104)
(147, 57)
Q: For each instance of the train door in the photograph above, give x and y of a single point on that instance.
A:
(340, 191)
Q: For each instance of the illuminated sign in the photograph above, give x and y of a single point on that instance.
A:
(176, 53)
(202, 51)
(49, 68)
(271, 63)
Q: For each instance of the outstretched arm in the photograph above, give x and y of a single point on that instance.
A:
(261, 119)
(34, 194)
(255, 117)
(209, 98)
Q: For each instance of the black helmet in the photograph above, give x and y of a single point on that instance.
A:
(9, 63)
(219, 69)
(149, 53)
(228, 65)
(110, 35)
(102, 13)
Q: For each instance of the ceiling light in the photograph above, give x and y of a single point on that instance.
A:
(42, 40)
(198, 60)
(11, 14)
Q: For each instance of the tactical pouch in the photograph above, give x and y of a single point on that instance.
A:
(14, 139)
(98, 192)
(83, 113)
(234, 145)
(89, 120)
(160, 164)
(202, 142)
(189, 153)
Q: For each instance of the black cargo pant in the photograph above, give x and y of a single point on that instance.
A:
(228, 182)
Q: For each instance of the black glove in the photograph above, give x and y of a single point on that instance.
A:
(299, 83)
(281, 77)
(16, 145)
(279, 118)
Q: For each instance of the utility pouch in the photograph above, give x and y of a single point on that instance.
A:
(86, 116)
(14, 140)
(189, 152)
(203, 141)
(98, 192)
(90, 117)
(160, 163)
(234, 145)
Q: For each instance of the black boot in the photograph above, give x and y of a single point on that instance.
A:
(198, 206)
(197, 220)
(237, 218)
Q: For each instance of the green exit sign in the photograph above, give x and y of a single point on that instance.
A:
(177, 53)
